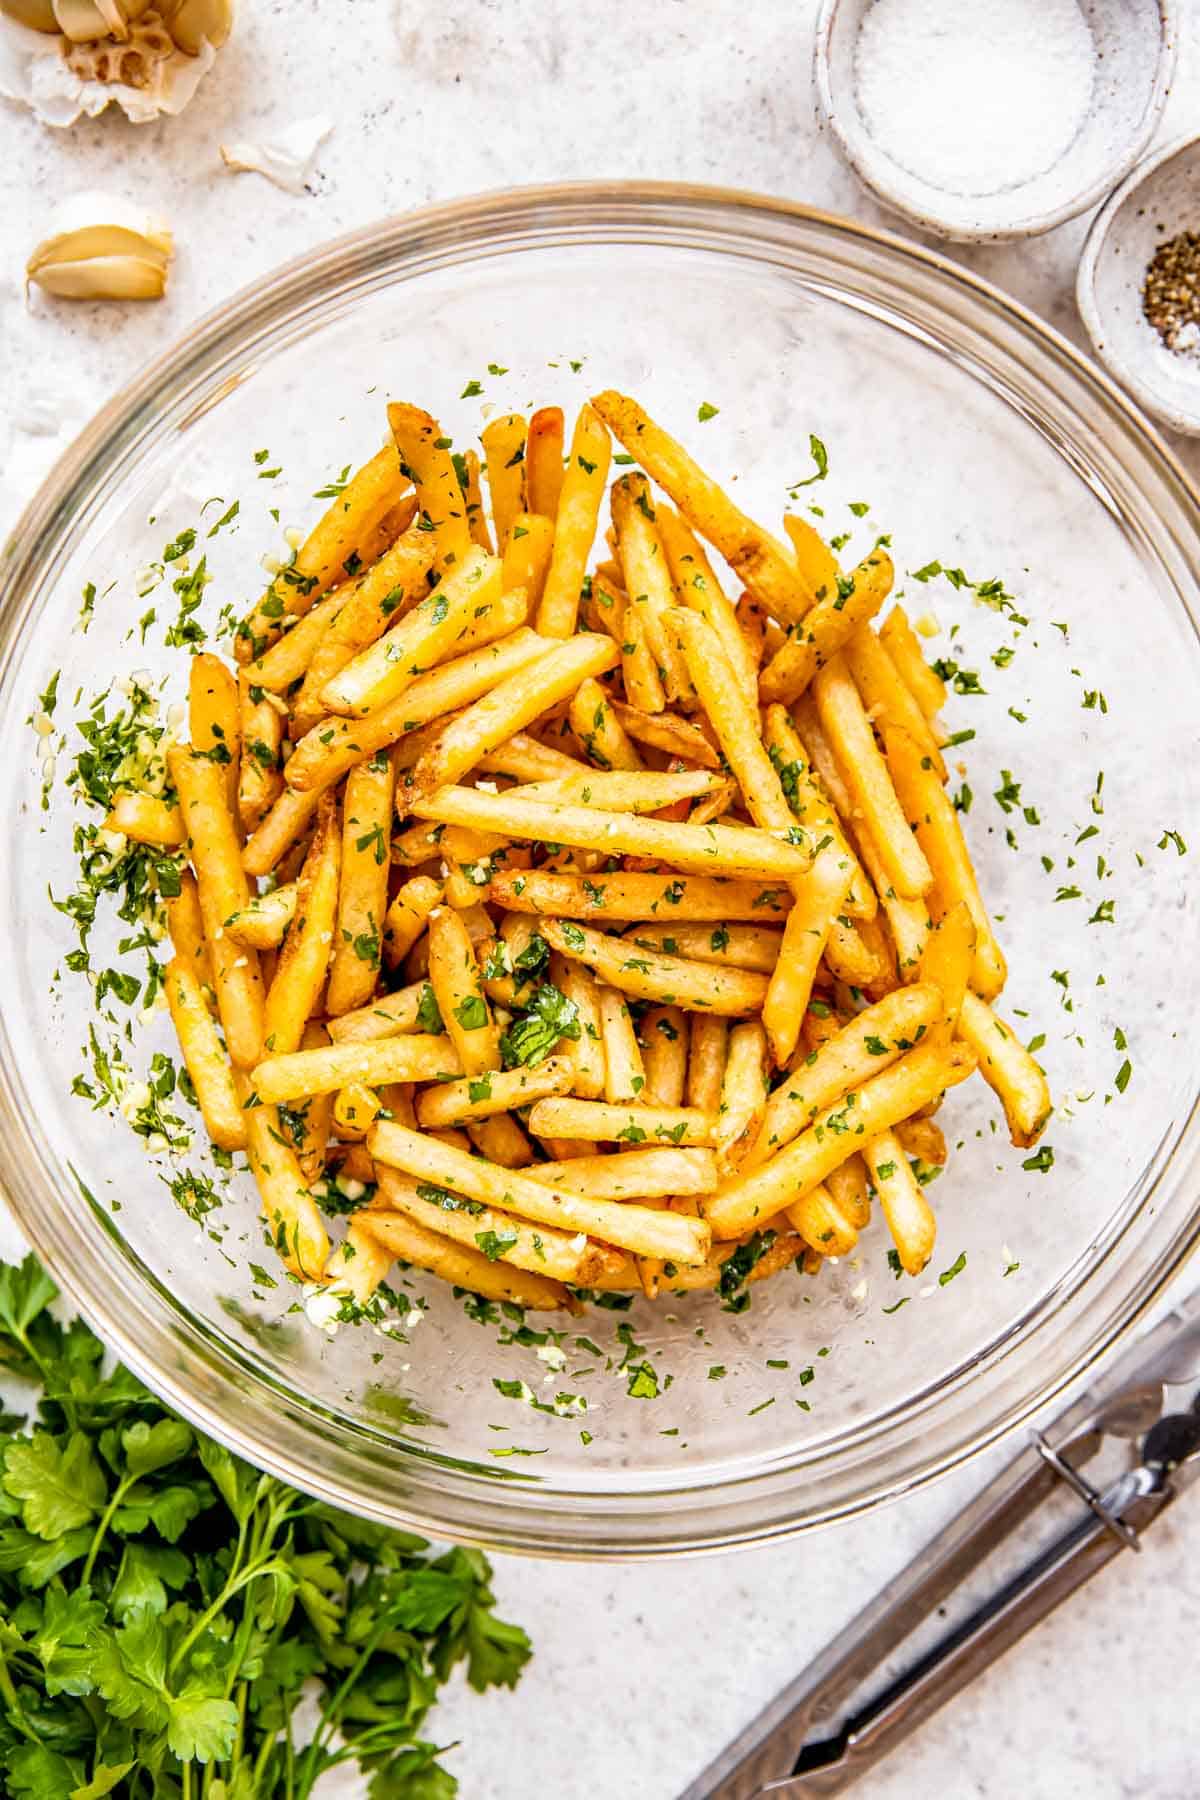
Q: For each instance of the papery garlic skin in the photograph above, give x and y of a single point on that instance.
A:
(286, 159)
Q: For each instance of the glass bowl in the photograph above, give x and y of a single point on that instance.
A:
(980, 441)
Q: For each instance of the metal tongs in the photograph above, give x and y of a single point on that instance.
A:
(824, 1731)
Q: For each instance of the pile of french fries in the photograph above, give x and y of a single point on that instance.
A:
(601, 926)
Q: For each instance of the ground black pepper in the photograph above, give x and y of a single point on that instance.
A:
(1171, 291)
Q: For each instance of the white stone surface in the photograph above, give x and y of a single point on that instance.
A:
(642, 1672)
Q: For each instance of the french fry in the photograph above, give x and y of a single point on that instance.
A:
(580, 499)
(904, 647)
(629, 1122)
(425, 458)
(865, 1111)
(461, 604)
(939, 834)
(625, 1074)
(1008, 1069)
(743, 1094)
(811, 805)
(853, 1054)
(923, 1139)
(695, 849)
(454, 975)
(805, 938)
(281, 828)
(310, 1124)
(544, 461)
(289, 659)
(260, 767)
(708, 1043)
(647, 580)
(525, 759)
(828, 628)
(292, 1217)
(186, 926)
(457, 1102)
(850, 957)
(821, 1222)
(648, 975)
(627, 1225)
(355, 1109)
(538, 1248)
(477, 523)
(847, 1184)
(947, 961)
(636, 1174)
(304, 959)
(815, 562)
(359, 1265)
(870, 781)
(587, 1050)
(738, 946)
(664, 1039)
(909, 1216)
(639, 665)
(752, 623)
(886, 698)
(264, 923)
(626, 790)
(325, 753)
(362, 897)
(623, 898)
(206, 1061)
(667, 732)
(213, 848)
(760, 562)
(347, 528)
(278, 1080)
(411, 1243)
(503, 440)
(599, 730)
(501, 1140)
(407, 915)
(389, 1015)
(696, 586)
(146, 819)
(214, 719)
(527, 556)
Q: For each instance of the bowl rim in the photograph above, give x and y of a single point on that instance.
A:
(1125, 372)
(873, 169)
(728, 1508)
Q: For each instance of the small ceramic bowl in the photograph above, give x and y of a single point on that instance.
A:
(1160, 199)
(1135, 44)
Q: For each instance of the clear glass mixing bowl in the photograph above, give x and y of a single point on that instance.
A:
(979, 438)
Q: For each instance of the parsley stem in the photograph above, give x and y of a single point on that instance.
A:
(101, 1531)
(13, 1705)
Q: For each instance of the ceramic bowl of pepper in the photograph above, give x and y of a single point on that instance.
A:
(1138, 286)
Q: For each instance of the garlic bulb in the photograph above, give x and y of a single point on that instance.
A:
(85, 20)
(129, 62)
(192, 23)
(36, 15)
(102, 248)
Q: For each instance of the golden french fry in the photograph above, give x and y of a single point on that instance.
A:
(629, 1226)
(599, 730)
(282, 827)
(851, 1055)
(847, 1184)
(850, 957)
(639, 666)
(527, 556)
(425, 458)
(206, 1061)
(503, 440)
(947, 960)
(358, 1265)
(580, 499)
(625, 1074)
(213, 848)
(924, 1140)
(708, 1042)
(186, 926)
(664, 1040)
(347, 535)
(886, 698)
(821, 1222)
(355, 1109)
(648, 975)
(477, 525)
(502, 1238)
(146, 819)
(636, 1174)
(667, 732)
(214, 719)
(263, 924)
(621, 898)
(743, 1094)
(525, 759)
(696, 586)
(479, 1097)
(831, 624)
(544, 461)
(587, 1050)
(940, 836)
(501, 1140)
(626, 790)
(260, 768)
(909, 1216)
(300, 972)
(288, 660)
(864, 1112)
(869, 779)
(509, 707)
(387, 1016)
(292, 1216)
(454, 975)
(362, 898)
(325, 753)
(404, 1238)
(310, 1123)
(628, 1123)
(1008, 1069)
(407, 915)
(647, 580)
(815, 562)
(697, 849)
(738, 946)
(760, 561)
(805, 937)
(811, 805)
(278, 1080)
(904, 647)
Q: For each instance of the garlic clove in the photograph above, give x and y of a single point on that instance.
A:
(286, 159)
(193, 23)
(37, 15)
(83, 21)
(120, 277)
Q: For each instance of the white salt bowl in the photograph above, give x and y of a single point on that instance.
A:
(1135, 44)
(1160, 199)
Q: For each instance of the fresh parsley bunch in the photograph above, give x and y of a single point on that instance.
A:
(165, 1609)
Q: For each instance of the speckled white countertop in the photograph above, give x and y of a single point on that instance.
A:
(641, 1672)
